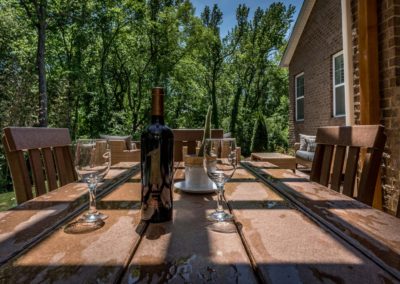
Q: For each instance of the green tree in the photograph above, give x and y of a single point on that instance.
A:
(37, 13)
(253, 67)
(212, 56)
(96, 61)
(259, 139)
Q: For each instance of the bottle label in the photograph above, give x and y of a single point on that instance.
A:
(157, 192)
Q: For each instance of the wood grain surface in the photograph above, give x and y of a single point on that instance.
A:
(275, 239)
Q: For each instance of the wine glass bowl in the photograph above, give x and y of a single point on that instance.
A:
(220, 163)
(92, 163)
(92, 158)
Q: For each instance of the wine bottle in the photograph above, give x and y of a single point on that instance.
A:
(157, 143)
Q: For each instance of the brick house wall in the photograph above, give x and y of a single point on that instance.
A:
(320, 40)
(389, 88)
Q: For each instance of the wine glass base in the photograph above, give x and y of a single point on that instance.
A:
(93, 217)
(220, 216)
(80, 226)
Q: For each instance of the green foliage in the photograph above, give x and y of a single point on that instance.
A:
(259, 139)
(7, 200)
(103, 57)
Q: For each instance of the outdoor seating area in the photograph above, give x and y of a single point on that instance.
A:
(200, 141)
(260, 180)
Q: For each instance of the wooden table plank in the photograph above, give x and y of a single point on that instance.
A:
(372, 231)
(98, 256)
(290, 248)
(188, 250)
(281, 160)
(27, 223)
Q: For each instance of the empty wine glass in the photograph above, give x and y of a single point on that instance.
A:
(220, 163)
(92, 163)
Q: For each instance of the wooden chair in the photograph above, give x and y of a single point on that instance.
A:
(120, 153)
(334, 144)
(50, 160)
(189, 138)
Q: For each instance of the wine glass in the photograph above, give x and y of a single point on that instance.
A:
(220, 163)
(92, 163)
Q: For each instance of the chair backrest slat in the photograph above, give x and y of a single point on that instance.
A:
(189, 137)
(340, 154)
(369, 174)
(51, 173)
(326, 165)
(336, 140)
(19, 174)
(351, 171)
(191, 147)
(37, 171)
(317, 163)
(69, 164)
(39, 143)
(64, 169)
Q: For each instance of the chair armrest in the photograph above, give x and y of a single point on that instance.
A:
(296, 146)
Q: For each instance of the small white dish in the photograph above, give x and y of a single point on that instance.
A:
(185, 187)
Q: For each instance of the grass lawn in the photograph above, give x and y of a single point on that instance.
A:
(7, 200)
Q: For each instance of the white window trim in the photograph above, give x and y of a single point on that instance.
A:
(297, 98)
(335, 86)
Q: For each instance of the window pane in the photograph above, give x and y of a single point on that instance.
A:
(300, 86)
(339, 101)
(300, 109)
(339, 69)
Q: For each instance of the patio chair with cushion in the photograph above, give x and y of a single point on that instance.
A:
(122, 149)
(340, 151)
(305, 150)
(186, 141)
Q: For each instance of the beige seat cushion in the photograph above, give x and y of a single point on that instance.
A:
(308, 156)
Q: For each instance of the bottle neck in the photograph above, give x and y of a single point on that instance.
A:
(157, 107)
(157, 119)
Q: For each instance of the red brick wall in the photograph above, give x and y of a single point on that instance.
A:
(356, 73)
(321, 38)
(389, 79)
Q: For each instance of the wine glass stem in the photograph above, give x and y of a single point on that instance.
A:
(220, 199)
(92, 198)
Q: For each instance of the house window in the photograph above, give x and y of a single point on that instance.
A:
(299, 95)
(338, 85)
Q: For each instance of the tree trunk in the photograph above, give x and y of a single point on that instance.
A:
(235, 111)
(41, 64)
(215, 118)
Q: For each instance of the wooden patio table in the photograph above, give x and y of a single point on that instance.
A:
(275, 239)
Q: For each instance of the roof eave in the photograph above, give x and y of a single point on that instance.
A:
(298, 29)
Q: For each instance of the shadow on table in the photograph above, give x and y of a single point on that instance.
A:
(189, 270)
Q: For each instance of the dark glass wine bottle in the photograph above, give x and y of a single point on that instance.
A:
(157, 163)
